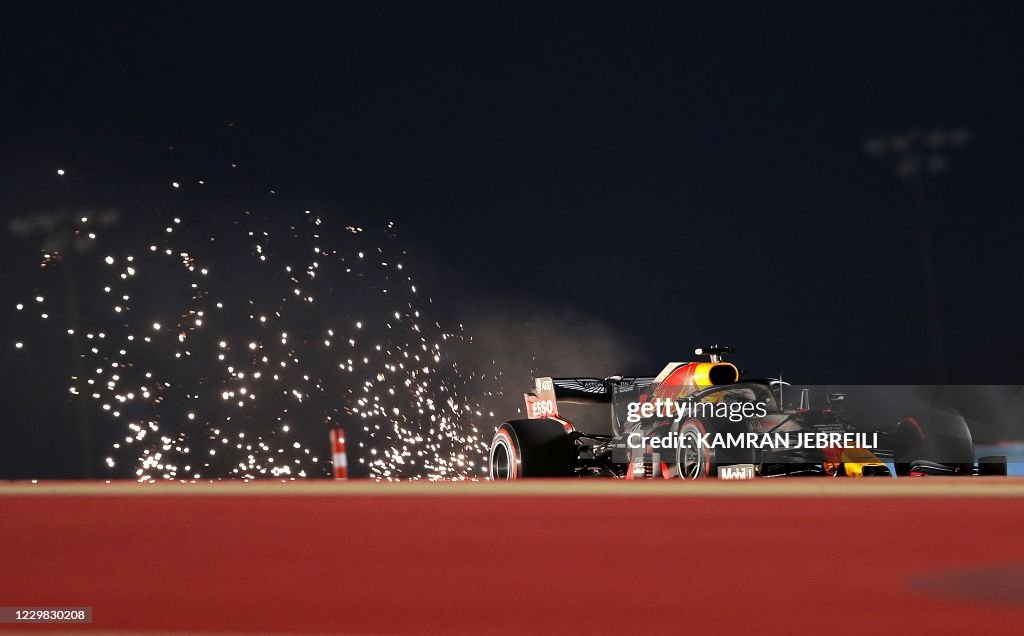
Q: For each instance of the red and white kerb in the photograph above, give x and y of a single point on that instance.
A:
(338, 450)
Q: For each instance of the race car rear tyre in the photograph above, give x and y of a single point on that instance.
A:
(532, 448)
(941, 436)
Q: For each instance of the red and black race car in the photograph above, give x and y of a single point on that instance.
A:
(697, 420)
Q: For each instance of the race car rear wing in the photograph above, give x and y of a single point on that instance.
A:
(543, 400)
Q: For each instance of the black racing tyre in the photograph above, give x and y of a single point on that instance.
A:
(701, 461)
(532, 448)
(941, 437)
(694, 460)
(992, 465)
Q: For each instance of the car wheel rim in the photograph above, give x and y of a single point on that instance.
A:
(501, 462)
(690, 459)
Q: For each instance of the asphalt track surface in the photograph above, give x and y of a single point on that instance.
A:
(774, 556)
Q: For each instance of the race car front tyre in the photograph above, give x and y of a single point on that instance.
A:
(992, 466)
(693, 459)
(940, 436)
(532, 448)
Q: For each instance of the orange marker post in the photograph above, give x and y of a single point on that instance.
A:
(338, 451)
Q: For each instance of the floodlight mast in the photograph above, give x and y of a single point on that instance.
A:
(919, 155)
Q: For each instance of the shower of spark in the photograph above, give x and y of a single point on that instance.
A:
(228, 346)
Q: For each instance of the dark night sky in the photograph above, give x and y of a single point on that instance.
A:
(683, 174)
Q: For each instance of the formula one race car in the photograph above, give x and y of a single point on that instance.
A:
(698, 420)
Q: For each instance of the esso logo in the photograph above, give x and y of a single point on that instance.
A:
(542, 408)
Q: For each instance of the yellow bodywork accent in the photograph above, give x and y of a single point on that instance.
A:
(702, 373)
(855, 459)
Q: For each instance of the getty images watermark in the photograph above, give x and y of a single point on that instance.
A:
(736, 412)
(661, 409)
